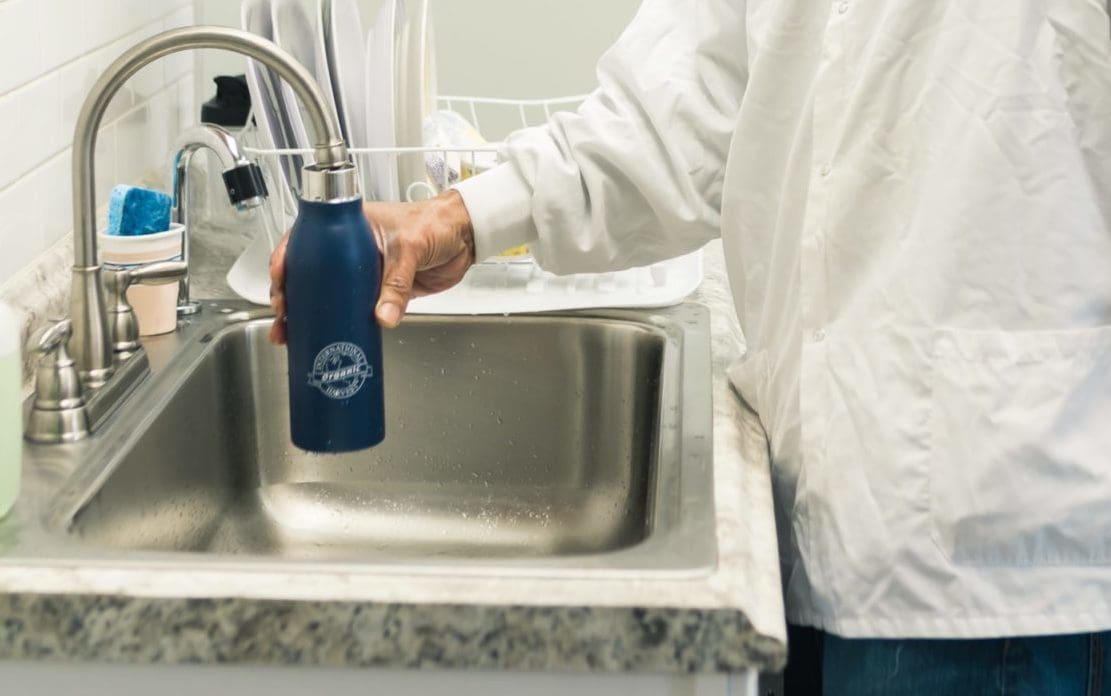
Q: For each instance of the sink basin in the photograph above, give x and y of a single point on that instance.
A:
(580, 440)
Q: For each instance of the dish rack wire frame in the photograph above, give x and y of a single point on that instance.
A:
(527, 111)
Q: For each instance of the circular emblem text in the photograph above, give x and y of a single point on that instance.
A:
(340, 370)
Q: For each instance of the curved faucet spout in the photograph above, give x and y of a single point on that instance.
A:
(243, 181)
(91, 344)
(215, 139)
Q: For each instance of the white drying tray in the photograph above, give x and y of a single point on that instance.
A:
(517, 288)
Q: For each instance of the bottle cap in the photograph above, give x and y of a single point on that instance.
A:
(231, 104)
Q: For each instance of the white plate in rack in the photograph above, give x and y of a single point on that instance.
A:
(293, 32)
(255, 17)
(345, 53)
(415, 92)
(381, 98)
(521, 288)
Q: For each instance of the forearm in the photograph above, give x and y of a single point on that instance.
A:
(635, 174)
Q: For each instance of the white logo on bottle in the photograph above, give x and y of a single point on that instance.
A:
(340, 370)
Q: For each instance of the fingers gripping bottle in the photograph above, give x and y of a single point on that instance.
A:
(332, 281)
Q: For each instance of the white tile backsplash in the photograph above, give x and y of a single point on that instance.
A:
(64, 31)
(9, 122)
(104, 161)
(51, 53)
(131, 146)
(162, 127)
(111, 19)
(20, 43)
(20, 224)
(178, 65)
(56, 210)
(40, 122)
(75, 80)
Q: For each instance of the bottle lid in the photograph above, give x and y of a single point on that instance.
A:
(231, 104)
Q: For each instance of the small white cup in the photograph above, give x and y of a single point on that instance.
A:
(155, 305)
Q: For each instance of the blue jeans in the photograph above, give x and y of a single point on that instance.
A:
(1067, 665)
(1071, 665)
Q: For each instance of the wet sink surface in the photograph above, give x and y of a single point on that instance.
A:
(562, 439)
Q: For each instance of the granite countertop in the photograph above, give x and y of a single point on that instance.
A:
(729, 619)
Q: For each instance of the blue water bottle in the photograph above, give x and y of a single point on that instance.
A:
(332, 281)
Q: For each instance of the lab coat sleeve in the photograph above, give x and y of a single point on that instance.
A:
(634, 175)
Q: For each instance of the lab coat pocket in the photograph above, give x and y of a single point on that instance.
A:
(1021, 447)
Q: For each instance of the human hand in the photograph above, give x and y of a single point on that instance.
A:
(427, 248)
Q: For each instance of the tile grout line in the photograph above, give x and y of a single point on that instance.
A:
(61, 66)
(107, 124)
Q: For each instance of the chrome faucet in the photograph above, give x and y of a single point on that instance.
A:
(91, 344)
(96, 349)
(242, 179)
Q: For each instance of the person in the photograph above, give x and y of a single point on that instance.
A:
(914, 200)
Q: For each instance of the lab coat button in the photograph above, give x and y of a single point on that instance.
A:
(819, 335)
(843, 7)
(825, 170)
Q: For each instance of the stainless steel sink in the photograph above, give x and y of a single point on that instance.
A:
(577, 440)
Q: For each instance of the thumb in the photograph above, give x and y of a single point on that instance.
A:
(397, 286)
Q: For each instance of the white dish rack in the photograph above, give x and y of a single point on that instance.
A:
(510, 285)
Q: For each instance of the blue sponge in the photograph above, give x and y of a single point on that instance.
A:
(134, 211)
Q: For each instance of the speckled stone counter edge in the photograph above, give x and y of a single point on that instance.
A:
(173, 631)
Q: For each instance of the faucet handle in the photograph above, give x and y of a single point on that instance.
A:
(159, 273)
(58, 410)
(125, 328)
(53, 336)
(57, 383)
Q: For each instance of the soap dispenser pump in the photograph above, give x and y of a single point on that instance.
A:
(332, 282)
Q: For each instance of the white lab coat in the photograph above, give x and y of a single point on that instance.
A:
(915, 203)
